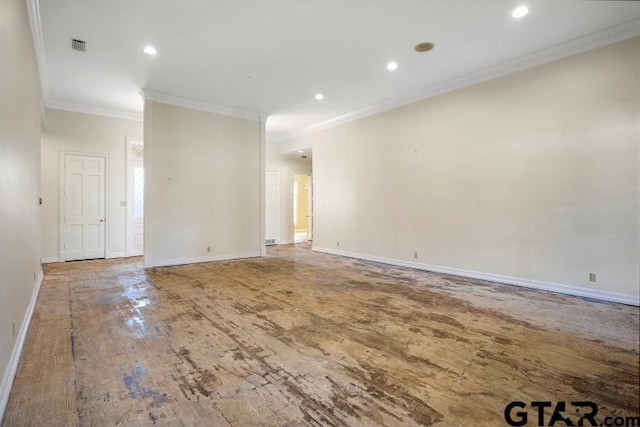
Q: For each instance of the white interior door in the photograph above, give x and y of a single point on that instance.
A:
(272, 208)
(135, 197)
(84, 207)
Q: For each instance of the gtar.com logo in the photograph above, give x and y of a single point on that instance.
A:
(582, 413)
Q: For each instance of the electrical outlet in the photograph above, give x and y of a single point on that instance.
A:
(592, 277)
(13, 329)
(208, 248)
(34, 276)
(415, 255)
(338, 244)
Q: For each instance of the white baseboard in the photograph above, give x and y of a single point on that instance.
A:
(49, 260)
(533, 284)
(209, 258)
(110, 255)
(285, 242)
(14, 361)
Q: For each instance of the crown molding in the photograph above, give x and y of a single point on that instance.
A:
(95, 110)
(33, 8)
(155, 96)
(563, 50)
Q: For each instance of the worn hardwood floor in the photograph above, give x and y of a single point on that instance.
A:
(301, 338)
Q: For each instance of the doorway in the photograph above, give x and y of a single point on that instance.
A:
(135, 197)
(302, 208)
(83, 206)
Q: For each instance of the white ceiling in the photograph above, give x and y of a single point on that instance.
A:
(273, 56)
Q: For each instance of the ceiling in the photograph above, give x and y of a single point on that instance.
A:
(273, 56)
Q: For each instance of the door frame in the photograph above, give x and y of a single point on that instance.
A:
(310, 203)
(62, 235)
(128, 199)
(310, 210)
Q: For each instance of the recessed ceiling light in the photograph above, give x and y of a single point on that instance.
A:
(391, 66)
(519, 12)
(423, 47)
(319, 97)
(300, 151)
(150, 50)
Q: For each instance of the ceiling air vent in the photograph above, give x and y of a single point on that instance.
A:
(79, 45)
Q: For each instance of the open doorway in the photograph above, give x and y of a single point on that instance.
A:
(302, 207)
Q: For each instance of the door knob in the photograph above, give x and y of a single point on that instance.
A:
(102, 220)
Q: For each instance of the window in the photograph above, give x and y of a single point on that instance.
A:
(138, 192)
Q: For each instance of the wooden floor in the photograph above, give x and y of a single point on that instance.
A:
(301, 338)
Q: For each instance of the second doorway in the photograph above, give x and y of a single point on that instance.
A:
(302, 207)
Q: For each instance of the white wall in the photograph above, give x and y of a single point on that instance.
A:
(20, 120)
(91, 134)
(204, 185)
(531, 178)
(279, 159)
